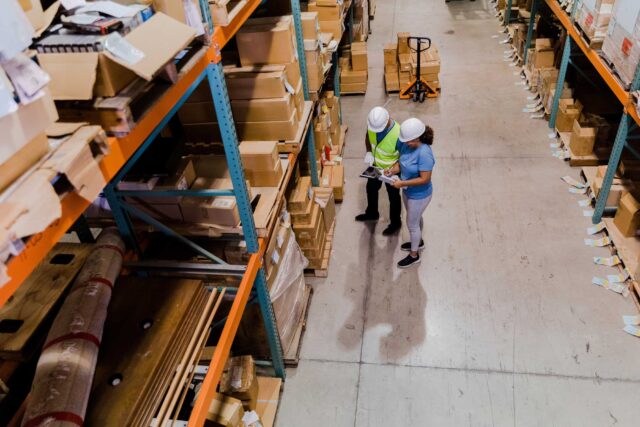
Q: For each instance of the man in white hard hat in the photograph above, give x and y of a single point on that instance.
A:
(381, 141)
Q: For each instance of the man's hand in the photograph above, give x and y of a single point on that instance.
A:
(387, 172)
(369, 159)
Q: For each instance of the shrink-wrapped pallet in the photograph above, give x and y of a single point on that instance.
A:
(622, 43)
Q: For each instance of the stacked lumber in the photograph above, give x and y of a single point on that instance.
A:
(149, 350)
(65, 369)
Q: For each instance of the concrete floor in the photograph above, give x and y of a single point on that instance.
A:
(500, 324)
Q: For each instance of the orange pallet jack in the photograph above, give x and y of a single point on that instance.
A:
(419, 89)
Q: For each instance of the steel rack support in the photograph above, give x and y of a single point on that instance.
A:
(612, 167)
(269, 317)
(507, 13)
(532, 23)
(122, 219)
(302, 60)
(336, 79)
(562, 75)
(232, 153)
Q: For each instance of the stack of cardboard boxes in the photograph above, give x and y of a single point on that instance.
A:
(316, 54)
(311, 222)
(401, 64)
(621, 44)
(328, 135)
(589, 132)
(361, 20)
(330, 16)
(265, 93)
(593, 17)
(354, 73)
(262, 166)
(619, 187)
(238, 393)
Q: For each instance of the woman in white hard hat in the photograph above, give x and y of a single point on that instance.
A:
(380, 141)
(415, 166)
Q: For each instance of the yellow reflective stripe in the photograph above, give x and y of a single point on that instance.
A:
(381, 162)
(384, 153)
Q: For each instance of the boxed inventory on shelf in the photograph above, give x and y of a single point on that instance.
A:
(239, 380)
(593, 17)
(568, 111)
(83, 75)
(621, 44)
(627, 218)
(267, 41)
(330, 17)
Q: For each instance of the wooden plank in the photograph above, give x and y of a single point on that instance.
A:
(292, 354)
(22, 315)
(136, 339)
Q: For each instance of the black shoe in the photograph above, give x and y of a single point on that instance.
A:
(366, 217)
(391, 229)
(407, 246)
(408, 261)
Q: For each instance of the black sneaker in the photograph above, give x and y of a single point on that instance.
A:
(366, 217)
(391, 229)
(407, 246)
(408, 261)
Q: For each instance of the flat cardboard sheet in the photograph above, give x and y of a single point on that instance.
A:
(160, 39)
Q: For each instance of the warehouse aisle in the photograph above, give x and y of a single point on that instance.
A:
(499, 325)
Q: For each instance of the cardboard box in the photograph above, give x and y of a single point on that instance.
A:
(221, 210)
(302, 216)
(310, 26)
(359, 57)
(315, 75)
(617, 190)
(81, 76)
(390, 53)
(327, 13)
(256, 85)
(350, 76)
(544, 53)
(391, 68)
(627, 217)
(568, 112)
(353, 87)
(20, 128)
(263, 109)
(33, 11)
(21, 160)
(391, 81)
(174, 9)
(325, 198)
(267, 41)
(239, 381)
(335, 27)
(300, 197)
(404, 59)
(308, 234)
(265, 178)
(225, 411)
(259, 155)
(333, 177)
(582, 139)
(247, 131)
(403, 43)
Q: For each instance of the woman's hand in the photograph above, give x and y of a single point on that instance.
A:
(398, 183)
(388, 172)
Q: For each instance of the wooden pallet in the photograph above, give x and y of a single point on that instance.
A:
(119, 114)
(292, 356)
(24, 317)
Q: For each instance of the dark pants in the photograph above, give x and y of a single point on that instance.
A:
(395, 203)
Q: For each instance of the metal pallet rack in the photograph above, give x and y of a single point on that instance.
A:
(125, 151)
(630, 119)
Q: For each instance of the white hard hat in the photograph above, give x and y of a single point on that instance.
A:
(411, 129)
(378, 119)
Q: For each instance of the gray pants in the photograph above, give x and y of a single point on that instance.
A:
(415, 208)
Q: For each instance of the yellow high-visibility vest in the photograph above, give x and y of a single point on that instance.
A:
(385, 152)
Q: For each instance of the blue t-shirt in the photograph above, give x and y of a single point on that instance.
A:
(412, 162)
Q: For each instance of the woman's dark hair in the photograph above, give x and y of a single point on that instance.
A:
(427, 136)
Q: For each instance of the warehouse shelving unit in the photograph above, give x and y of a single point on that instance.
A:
(630, 119)
(123, 154)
